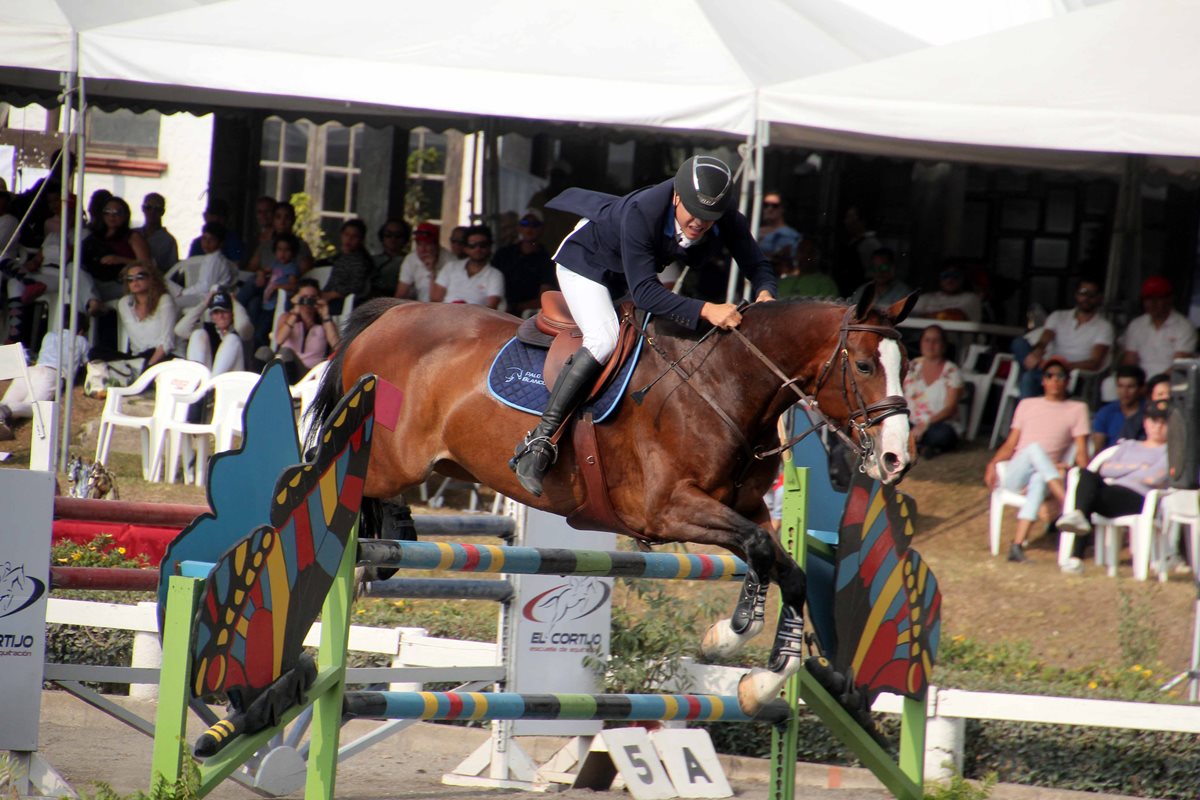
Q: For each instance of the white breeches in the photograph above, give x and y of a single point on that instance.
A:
(592, 307)
(19, 399)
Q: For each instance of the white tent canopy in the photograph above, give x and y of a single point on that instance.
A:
(1121, 78)
(673, 64)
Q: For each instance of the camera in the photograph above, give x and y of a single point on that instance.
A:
(307, 300)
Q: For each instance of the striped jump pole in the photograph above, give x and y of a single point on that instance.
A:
(512, 706)
(548, 561)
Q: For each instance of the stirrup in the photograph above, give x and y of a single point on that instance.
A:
(529, 445)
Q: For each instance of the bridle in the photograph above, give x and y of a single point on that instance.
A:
(862, 415)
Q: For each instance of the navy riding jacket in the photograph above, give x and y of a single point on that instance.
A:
(631, 239)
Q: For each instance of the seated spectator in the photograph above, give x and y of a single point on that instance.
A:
(1120, 485)
(933, 387)
(1155, 339)
(807, 279)
(148, 313)
(284, 274)
(776, 239)
(1158, 390)
(1080, 337)
(458, 242)
(394, 236)
(1043, 431)
(422, 265)
(353, 268)
(163, 247)
(856, 256)
(888, 288)
(952, 300)
(18, 399)
(264, 244)
(215, 269)
(219, 342)
(1111, 418)
(217, 212)
(474, 281)
(527, 267)
(111, 247)
(283, 221)
(305, 335)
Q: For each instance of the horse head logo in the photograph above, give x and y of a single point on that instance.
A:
(513, 374)
(18, 591)
(577, 598)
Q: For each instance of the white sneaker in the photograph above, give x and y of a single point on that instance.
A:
(1072, 566)
(1074, 521)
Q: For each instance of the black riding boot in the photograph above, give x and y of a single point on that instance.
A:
(535, 455)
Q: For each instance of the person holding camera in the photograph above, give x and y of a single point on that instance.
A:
(305, 335)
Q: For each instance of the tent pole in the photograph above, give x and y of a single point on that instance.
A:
(1124, 251)
(81, 155)
(749, 161)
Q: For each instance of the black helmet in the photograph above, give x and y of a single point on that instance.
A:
(705, 187)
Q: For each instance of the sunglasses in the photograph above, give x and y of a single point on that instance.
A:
(458, 241)
(530, 223)
(113, 212)
(1054, 376)
(478, 245)
(148, 207)
(771, 205)
(392, 234)
(1086, 293)
(141, 276)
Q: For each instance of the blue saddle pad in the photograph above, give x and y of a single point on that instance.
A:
(515, 379)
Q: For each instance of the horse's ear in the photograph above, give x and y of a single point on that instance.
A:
(902, 308)
(866, 298)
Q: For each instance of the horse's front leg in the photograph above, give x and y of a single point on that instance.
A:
(694, 516)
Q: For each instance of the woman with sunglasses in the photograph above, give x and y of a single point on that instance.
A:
(620, 247)
(113, 247)
(148, 314)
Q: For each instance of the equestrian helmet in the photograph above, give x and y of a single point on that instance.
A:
(705, 187)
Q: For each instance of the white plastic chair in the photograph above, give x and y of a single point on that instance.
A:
(230, 391)
(305, 391)
(189, 269)
(171, 380)
(1001, 497)
(1010, 395)
(983, 383)
(1141, 527)
(1180, 510)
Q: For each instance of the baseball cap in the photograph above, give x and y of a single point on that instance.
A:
(1159, 409)
(532, 214)
(1055, 361)
(1157, 286)
(426, 230)
(221, 300)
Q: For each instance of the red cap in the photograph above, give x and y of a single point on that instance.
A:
(1059, 360)
(1157, 286)
(426, 230)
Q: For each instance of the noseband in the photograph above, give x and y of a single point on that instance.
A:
(870, 414)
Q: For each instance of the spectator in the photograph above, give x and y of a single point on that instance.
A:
(933, 388)
(474, 280)
(149, 315)
(215, 269)
(233, 248)
(113, 247)
(394, 236)
(264, 246)
(1160, 335)
(1110, 420)
(10, 244)
(163, 247)
(776, 238)
(888, 288)
(285, 275)
(1043, 431)
(952, 300)
(95, 211)
(18, 399)
(1120, 484)
(1079, 337)
(20, 287)
(353, 267)
(856, 257)
(458, 242)
(527, 267)
(282, 221)
(807, 280)
(421, 267)
(220, 342)
(1158, 389)
(306, 334)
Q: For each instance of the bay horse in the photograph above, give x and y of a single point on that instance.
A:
(690, 463)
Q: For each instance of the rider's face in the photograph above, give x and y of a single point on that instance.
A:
(693, 227)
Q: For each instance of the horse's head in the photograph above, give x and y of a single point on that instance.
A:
(861, 386)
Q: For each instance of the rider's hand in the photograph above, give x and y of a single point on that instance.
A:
(764, 296)
(722, 315)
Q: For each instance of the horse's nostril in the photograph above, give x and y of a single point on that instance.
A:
(891, 462)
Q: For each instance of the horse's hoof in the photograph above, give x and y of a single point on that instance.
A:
(721, 642)
(757, 688)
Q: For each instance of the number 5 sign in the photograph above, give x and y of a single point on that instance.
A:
(636, 760)
(690, 759)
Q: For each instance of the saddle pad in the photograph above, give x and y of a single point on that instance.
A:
(515, 379)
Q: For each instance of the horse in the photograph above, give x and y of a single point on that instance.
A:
(689, 462)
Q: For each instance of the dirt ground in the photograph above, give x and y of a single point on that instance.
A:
(1067, 620)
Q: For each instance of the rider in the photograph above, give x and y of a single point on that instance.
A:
(623, 243)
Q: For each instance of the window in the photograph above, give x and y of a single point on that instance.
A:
(123, 133)
(426, 175)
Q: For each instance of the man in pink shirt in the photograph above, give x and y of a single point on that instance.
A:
(1043, 431)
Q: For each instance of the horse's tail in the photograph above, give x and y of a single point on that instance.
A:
(330, 392)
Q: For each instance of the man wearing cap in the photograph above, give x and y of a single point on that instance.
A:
(952, 296)
(527, 267)
(1081, 337)
(1156, 338)
(421, 266)
(618, 248)
(220, 342)
(1043, 431)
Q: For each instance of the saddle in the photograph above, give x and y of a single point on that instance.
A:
(554, 328)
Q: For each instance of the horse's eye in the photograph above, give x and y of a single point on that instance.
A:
(864, 367)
